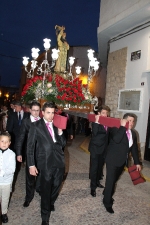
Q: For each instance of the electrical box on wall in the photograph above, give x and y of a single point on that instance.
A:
(130, 100)
(135, 55)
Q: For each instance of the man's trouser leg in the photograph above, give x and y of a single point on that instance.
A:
(30, 185)
(112, 175)
(50, 185)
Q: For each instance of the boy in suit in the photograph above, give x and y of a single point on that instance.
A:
(25, 127)
(97, 147)
(49, 141)
(122, 141)
(7, 169)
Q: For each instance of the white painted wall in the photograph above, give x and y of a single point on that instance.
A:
(112, 11)
(135, 72)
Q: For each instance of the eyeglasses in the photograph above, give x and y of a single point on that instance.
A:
(35, 110)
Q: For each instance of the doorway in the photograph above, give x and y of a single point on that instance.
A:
(147, 146)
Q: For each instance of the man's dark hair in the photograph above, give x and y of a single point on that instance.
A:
(17, 103)
(48, 105)
(34, 103)
(103, 107)
(13, 102)
(129, 114)
(6, 134)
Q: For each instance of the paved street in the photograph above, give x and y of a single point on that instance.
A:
(75, 205)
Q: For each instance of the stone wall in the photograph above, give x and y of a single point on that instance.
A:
(98, 84)
(116, 71)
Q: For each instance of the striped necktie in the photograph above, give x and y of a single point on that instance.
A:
(128, 134)
(105, 128)
(49, 129)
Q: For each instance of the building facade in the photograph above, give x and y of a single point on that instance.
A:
(124, 49)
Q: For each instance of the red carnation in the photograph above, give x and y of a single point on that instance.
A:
(50, 78)
(23, 93)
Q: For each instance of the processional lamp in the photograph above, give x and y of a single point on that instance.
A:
(93, 64)
(44, 66)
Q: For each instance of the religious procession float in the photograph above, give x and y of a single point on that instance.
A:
(54, 83)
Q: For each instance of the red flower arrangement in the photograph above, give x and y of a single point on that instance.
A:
(30, 84)
(57, 89)
(69, 91)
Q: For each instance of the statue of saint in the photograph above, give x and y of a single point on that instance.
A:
(63, 47)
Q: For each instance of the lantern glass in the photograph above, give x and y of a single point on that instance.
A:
(92, 62)
(35, 52)
(25, 61)
(96, 65)
(55, 54)
(71, 60)
(78, 70)
(47, 44)
(90, 53)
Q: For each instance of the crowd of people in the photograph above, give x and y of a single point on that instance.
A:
(29, 137)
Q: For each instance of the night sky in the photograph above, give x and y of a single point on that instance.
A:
(25, 23)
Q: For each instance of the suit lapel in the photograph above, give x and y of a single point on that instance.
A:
(101, 127)
(55, 132)
(16, 115)
(16, 118)
(24, 115)
(29, 122)
(133, 135)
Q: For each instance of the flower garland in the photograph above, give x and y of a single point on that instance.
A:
(56, 88)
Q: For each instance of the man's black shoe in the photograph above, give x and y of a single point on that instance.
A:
(4, 218)
(52, 208)
(93, 193)
(109, 209)
(26, 203)
(100, 185)
(45, 223)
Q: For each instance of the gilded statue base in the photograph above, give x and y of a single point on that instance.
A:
(87, 107)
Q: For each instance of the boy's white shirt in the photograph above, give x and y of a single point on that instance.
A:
(32, 118)
(7, 166)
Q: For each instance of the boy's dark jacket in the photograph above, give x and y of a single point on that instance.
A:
(99, 140)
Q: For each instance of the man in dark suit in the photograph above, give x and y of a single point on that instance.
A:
(12, 107)
(122, 141)
(97, 147)
(49, 142)
(25, 126)
(68, 132)
(14, 122)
